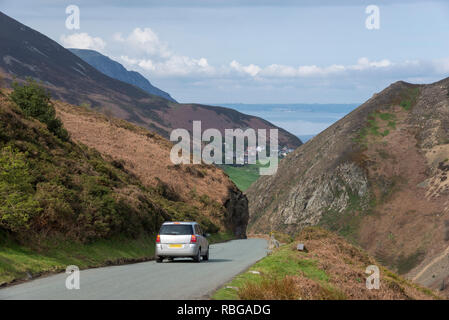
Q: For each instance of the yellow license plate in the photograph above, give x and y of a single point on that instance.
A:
(175, 245)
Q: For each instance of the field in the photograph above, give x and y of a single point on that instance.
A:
(243, 176)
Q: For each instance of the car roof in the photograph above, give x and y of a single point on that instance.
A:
(180, 222)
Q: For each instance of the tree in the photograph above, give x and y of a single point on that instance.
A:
(35, 102)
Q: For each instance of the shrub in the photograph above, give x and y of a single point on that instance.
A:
(17, 205)
(167, 191)
(34, 101)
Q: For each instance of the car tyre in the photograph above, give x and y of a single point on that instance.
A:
(197, 258)
(206, 256)
(159, 259)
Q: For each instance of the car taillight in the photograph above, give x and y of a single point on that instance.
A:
(158, 239)
(193, 239)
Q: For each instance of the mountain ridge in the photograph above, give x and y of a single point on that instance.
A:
(28, 53)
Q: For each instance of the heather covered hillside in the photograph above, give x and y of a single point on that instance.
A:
(147, 156)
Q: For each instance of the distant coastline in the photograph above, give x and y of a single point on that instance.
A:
(305, 120)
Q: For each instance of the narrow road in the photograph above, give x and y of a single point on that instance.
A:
(181, 279)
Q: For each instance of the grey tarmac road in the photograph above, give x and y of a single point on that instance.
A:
(181, 279)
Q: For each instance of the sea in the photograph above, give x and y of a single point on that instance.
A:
(303, 120)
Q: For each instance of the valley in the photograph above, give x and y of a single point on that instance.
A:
(92, 164)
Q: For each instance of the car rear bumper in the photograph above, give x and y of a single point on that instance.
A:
(187, 250)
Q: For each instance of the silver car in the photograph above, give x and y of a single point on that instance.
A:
(181, 240)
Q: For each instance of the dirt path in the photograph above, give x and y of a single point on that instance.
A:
(435, 265)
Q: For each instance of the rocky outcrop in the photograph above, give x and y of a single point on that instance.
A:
(237, 214)
(333, 191)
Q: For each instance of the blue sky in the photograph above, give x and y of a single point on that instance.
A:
(261, 51)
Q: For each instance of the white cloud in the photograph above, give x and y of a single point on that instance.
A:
(83, 41)
(129, 61)
(280, 71)
(118, 37)
(251, 69)
(284, 71)
(364, 63)
(152, 56)
(182, 65)
(441, 65)
(146, 64)
(173, 66)
(145, 41)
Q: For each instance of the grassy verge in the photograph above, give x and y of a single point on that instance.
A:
(330, 269)
(273, 268)
(18, 262)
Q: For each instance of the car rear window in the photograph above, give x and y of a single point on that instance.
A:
(175, 229)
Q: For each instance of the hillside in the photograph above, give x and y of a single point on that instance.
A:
(115, 70)
(27, 53)
(378, 176)
(59, 196)
(147, 156)
(330, 269)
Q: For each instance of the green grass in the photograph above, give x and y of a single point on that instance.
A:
(409, 98)
(282, 262)
(387, 116)
(16, 260)
(244, 176)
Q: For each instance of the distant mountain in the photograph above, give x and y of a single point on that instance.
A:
(379, 177)
(117, 71)
(25, 52)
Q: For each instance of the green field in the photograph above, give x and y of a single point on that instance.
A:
(244, 176)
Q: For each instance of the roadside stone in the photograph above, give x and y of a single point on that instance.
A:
(254, 272)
